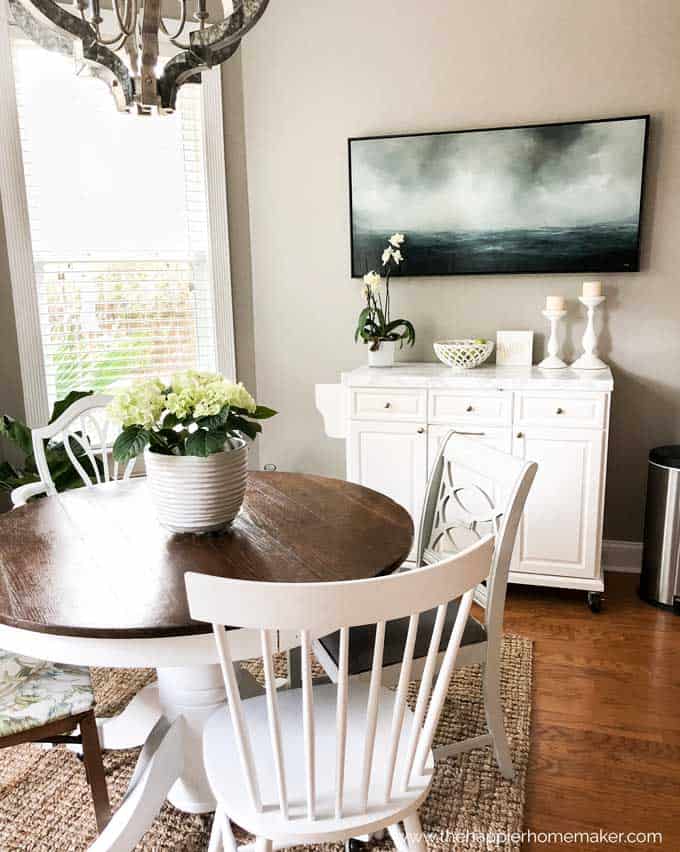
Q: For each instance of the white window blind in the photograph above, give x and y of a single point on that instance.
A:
(118, 211)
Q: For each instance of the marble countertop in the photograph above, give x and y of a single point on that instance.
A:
(433, 375)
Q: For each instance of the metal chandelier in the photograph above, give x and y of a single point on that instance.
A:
(127, 58)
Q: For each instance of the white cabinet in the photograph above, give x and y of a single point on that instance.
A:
(558, 534)
(395, 419)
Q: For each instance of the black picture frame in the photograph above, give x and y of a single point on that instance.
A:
(632, 265)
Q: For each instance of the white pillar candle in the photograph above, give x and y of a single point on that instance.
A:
(592, 288)
(554, 303)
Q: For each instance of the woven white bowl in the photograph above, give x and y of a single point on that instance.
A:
(462, 354)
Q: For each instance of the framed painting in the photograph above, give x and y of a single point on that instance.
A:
(543, 198)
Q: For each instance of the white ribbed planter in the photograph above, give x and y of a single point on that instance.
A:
(198, 495)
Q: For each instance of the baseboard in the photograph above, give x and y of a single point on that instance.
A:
(622, 557)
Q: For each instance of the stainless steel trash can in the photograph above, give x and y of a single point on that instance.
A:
(660, 580)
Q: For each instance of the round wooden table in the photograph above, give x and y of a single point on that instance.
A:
(89, 577)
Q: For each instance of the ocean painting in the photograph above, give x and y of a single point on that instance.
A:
(547, 198)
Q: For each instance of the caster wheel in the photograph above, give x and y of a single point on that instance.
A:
(595, 601)
(354, 845)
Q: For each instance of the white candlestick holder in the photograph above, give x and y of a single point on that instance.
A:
(553, 361)
(589, 359)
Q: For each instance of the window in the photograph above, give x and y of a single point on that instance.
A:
(120, 212)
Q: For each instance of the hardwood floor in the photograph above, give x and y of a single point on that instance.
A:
(605, 750)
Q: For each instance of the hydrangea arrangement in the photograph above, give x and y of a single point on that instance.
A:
(194, 416)
(374, 324)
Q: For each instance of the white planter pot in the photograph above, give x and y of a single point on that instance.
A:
(198, 495)
(382, 357)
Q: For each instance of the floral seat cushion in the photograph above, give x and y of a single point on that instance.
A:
(35, 692)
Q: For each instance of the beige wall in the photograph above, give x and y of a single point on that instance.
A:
(315, 73)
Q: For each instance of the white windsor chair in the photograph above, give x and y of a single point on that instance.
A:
(330, 762)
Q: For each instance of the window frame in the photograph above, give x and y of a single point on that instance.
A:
(18, 231)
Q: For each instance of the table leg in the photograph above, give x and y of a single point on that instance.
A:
(132, 726)
(195, 693)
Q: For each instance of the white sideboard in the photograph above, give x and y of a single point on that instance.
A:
(394, 418)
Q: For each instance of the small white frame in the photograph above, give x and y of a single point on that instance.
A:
(514, 348)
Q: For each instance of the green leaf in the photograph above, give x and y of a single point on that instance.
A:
(263, 413)
(214, 421)
(163, 441)
(8, 477)
(61, 405)
(130, 443)
(381, 321)
(170, 420)
(247, 427)
(16, 432)
(408, 334)
(361, 322)
(203, 443)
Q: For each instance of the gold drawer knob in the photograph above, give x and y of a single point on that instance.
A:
(520, 434)
(420, 430)
(469, 408)
(388, 405)
(560, 411)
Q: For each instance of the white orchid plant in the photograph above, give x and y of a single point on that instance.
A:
(374, 325)
(195, 415)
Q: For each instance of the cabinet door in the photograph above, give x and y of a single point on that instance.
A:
(390, 458)
(560, 529)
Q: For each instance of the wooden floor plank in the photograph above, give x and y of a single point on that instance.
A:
(605, 749)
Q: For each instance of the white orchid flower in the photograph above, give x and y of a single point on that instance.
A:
(378, 286)
(397, 256)
(371, 278)
(386, 255)
(397, 239)
(364, 292)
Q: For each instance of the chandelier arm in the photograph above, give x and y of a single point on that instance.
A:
(127, 23)
(181, 25)
(108, 42)
(184, 68)
(51, 15)
(213, 43)
(106, 66)
(45, 36)
(180, 45)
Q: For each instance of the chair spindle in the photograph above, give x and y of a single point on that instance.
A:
(444, 678)
(274, 719)
(400, 702)
(308, 723)
(341, 717)
(424, 693)
(372, 713)
(237, 717)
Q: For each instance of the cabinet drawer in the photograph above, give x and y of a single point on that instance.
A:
(388, 404)
(582, 410)
(492, 407)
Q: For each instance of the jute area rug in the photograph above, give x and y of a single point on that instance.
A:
(45, 803)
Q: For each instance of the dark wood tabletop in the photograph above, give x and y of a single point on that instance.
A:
(95, 562)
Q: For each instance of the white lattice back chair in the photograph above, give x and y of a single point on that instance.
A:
(328, 762)
(87, 434)
(473, 490)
